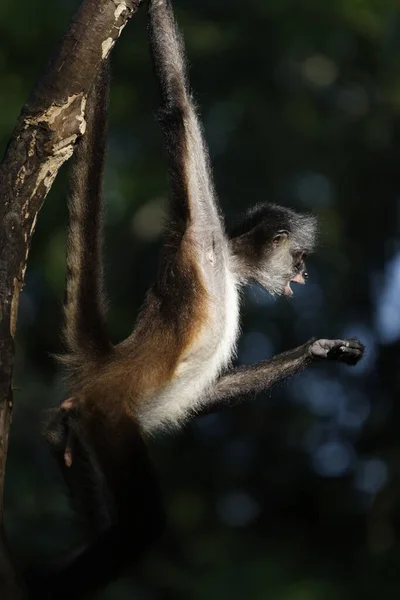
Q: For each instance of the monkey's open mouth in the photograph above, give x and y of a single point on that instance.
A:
(298, 278)
(288, 290)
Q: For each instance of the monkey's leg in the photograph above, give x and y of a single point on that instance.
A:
(133, 519)
(232, 387)
(85, 332)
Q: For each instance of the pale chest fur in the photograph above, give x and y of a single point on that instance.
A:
(199, 369)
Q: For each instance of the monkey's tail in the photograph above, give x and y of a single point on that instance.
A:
(85, 333)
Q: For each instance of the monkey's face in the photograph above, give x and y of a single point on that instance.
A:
(269, 246)
(283, 263)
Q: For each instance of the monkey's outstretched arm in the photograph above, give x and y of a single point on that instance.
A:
(235, 385)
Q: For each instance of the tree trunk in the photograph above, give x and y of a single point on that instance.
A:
(43, 139)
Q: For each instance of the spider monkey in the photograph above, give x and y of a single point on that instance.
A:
(177, 361)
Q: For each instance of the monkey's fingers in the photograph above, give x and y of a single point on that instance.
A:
(347, 351)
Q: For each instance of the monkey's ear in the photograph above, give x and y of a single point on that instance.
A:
(280, 237)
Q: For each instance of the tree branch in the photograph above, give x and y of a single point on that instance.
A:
(43, 139)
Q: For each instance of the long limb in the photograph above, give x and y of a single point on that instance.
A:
(235, 385)
(193, 197)
(121, 503)
(85, 332)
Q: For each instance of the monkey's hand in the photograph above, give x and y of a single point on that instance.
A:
(347, 351)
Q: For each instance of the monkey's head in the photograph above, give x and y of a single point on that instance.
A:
(270, 245)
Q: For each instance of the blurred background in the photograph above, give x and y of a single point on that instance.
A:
(295, 495)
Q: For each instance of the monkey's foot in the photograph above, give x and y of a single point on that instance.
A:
(347, 351)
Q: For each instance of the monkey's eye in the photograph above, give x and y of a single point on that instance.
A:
(280, 237)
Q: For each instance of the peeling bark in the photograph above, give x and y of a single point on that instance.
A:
(44, 138)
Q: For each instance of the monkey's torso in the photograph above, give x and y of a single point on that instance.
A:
(150, 376)
(210, 351)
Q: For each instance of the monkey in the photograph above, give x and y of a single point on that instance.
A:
(177, 362)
